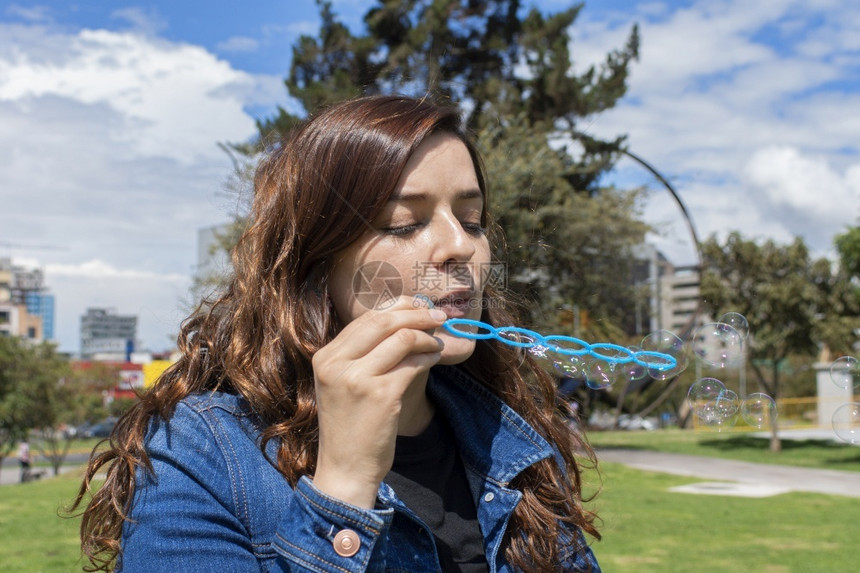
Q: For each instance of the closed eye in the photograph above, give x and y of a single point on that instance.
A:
(474, 228)
(402, 230)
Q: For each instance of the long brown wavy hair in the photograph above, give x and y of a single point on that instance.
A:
(313, 195)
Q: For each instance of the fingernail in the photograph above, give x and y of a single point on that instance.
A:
(422, 300)
(437, 314)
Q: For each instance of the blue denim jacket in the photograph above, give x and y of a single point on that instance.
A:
(214, 503)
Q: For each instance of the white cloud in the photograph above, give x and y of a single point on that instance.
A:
(147, 22)
(174, 99)
(239, 44)
(745, 107)
(30, 13)
(156, 299)
(111, 160)
(99, 269)
(807, 185)
(293, 29)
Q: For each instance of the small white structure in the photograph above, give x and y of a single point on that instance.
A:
(831, 394)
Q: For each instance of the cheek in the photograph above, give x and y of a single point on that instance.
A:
(340, 288)
(369, 283)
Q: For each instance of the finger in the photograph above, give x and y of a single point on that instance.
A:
(411, 366)
(400, 346)
(334, 363)
(368, 330)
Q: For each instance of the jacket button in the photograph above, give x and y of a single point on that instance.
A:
(346, 543)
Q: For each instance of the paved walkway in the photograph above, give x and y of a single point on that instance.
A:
(10, 475)
(726, 477)
(737, 478)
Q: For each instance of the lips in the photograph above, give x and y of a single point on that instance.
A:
(457, 304)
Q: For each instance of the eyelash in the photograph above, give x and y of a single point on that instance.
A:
(472, 228)
(400, 231)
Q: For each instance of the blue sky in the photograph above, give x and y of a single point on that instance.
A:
(111, 113)
(253, 38)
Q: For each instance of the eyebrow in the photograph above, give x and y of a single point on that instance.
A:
(418, 197)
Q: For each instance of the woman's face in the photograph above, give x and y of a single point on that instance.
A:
(428, 240)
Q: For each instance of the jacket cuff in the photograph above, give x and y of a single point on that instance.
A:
(322, 533)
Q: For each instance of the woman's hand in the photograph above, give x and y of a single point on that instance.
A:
(362, 378)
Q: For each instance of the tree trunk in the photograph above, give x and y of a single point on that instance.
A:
(620, 404)
(667, 391)
(775, 443)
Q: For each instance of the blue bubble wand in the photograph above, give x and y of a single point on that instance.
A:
(561, 344)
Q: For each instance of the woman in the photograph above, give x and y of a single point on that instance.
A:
(320, 418)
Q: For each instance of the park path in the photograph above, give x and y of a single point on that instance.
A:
(11, 475)
(736, 477)
(726, 477)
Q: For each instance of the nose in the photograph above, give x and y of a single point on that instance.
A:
(451, 242)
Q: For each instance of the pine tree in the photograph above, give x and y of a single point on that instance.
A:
(511, 69)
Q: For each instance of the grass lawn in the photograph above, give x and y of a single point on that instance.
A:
(743, 446)
(35, 539)
(649, 529)
(646, 528)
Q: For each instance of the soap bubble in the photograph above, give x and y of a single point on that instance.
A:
(846, 422)
(738, 322)
(703, 395)
(665, 342)
(570, 366)
(600, 374)
(728, 403)
(549, 357)
(759, 410)
(845, 372)
(542, 355)
(601, 364)
(724, 411)
(633, 370)
(718, 344)
(515, 336)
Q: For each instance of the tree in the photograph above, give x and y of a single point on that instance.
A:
(848, 247)
(562, 247)
(512, 70)
(489, 55)
(30, 376)
(792, 302)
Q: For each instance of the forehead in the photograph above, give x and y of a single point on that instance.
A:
(442, 161)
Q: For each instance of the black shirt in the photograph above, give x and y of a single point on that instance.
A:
(428, 476)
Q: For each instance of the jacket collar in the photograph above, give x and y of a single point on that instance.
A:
(493, 439)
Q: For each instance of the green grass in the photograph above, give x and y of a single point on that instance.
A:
(647, 528)
(35, 538)
(748, 447)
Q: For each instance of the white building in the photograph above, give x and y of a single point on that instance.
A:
(106, 335)
(212, 260)
(22, 293)
(679, 298)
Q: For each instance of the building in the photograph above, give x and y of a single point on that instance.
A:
(679, 299)
(16, 321)
(26, 308)
(107, 336)
(130, 376)
(41, 304)
(668, 295)
(212, 259)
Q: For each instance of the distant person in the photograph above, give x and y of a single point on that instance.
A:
(319, 417)
(24, 460)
